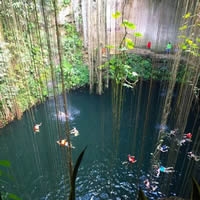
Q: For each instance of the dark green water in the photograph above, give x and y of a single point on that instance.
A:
(39, 164)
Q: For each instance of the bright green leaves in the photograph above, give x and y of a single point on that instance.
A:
(187, 15)
(183, 46)
(128, 24)
(13, 196)
(189, 41)
(110, 46)
(116, 15)
(119, 71)
(183, 27)
(138, 34)
(5, 163)
(129, 43)
(182, 36)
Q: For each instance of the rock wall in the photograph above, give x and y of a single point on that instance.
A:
(157, 20)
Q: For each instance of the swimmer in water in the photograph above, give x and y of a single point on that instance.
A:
(149, 186)
(36, 128)
(193, 156)
(164, 170)
(64, 143)
(188, 136)
(172, 132)
(62, 115)
(163, 148)
(131, 159)
(74, 132)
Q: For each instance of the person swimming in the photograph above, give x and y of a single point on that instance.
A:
(172, 132)
(163, 148)
(131, 159)
(164, 170)
(149, 186)
(188, 136)
(74, 132)
(193, 156)
(64, 143)
(36, 128)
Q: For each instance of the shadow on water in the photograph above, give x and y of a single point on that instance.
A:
(39, 167)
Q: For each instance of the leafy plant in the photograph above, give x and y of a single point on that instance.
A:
(6, 195)
(120, 70)
(141, 195)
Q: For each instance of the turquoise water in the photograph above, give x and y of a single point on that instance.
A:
(39, 166)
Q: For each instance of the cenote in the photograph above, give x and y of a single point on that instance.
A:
(39, 167)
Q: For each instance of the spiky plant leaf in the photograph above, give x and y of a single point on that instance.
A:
(141, 195)
(13, 196)
(5, 163)
(195, 190)
(72, 195)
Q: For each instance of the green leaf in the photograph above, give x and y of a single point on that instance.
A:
(190, 42)
(109, 46)
(128, 25)
(183, 46)
(74, 175)
(183, 27)
(128, 40)
(138, 35)
(198, 39)
(13, 196)
(129, 43)
(181, 36)
(5, 163)
(101, 66)
(187, 15)
(116, 15)
(0, 172)
(141, 195)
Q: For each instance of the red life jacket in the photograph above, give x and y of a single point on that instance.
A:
(189, 135)
(131, 159)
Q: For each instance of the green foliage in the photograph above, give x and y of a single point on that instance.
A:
(138, 35)
(116, 15)
(129, 43)
(4, 163)
(187, 15)
(6, 195)
(189, 44)
(119, 70)
(183, 27)
(66, 2)
(128, 24)
(75, 71)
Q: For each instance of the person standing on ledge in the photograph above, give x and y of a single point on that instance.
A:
(149, 45)
(169, 46)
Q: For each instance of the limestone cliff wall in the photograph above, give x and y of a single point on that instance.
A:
(157, 20)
